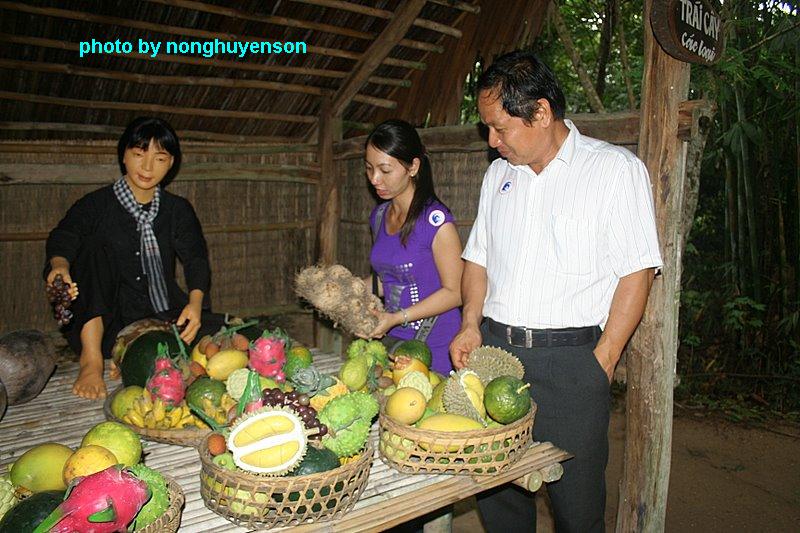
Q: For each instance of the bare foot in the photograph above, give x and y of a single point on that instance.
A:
(113, 370)
(90, 383)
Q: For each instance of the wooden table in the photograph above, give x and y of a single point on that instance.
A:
(390, 497)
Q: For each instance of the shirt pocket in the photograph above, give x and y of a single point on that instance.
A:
(572, 245)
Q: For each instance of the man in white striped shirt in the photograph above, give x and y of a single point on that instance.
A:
(559, 264)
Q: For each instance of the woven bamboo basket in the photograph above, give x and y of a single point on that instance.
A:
(255, 502)
(480, 452)
(181, 437)
(170, 520)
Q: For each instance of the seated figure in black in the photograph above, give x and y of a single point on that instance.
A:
(117, 247)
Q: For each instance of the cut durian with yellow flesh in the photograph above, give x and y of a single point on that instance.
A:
(270, 441)
(463, 395)
(490, 362)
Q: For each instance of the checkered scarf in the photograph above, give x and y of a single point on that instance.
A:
(148, 245)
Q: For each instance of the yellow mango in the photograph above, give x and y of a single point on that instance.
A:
(224, 362)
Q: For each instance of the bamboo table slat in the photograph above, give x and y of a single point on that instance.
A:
(390, 497)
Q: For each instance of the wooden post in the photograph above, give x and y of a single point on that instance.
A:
(652, 351)
(329, 209)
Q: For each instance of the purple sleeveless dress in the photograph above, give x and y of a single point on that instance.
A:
(409, 275)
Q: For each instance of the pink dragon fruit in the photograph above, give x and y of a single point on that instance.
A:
(167, 382)
(267, 355)
(104, 502)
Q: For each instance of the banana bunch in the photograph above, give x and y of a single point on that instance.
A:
(219, 413)
(150, 413)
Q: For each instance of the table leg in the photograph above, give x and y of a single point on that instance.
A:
(442, 524)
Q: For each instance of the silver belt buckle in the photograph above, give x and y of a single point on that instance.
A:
(528, 338)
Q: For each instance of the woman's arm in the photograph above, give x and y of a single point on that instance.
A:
(447, 256)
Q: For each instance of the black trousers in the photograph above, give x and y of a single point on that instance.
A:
(573, 397)
(98, 282)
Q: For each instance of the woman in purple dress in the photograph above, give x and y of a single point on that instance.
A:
(416, 253)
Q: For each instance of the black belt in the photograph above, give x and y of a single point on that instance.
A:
(541, 338)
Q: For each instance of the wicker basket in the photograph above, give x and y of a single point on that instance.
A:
(170, 520)
(181, 437)
(480, 452)
(254, 501)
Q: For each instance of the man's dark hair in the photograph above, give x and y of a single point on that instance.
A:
(520, 79)
(140, 132)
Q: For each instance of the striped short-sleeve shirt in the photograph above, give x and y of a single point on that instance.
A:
(555, 244)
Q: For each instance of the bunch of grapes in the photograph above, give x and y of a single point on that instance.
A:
(299, 403)
(58, 295)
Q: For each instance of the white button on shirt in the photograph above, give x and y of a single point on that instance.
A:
(555, 244)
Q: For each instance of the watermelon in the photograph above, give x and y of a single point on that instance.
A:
(415, 349)
(30, 512)
(138, 359)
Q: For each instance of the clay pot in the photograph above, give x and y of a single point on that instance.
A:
(27, 360)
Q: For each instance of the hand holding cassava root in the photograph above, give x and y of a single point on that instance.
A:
(341, 296)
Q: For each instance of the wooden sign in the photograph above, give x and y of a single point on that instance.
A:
(689, 30)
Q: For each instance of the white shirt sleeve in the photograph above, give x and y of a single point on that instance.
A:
(475, 250)
(632, 235)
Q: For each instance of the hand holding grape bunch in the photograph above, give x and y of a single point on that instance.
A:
(60, 295)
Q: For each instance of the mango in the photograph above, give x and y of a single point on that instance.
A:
(40, 468)
(225, 362)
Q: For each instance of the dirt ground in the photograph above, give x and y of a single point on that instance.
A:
(725, 477)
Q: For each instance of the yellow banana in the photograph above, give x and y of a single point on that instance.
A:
(149, 420)
(135, 418)
(147, 401)
(175, 416)
(159, 410)
(138, 406)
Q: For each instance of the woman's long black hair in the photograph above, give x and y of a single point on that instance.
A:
(400, 140)
(140, 132)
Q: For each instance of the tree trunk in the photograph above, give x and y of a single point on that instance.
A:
(606, 31)
(653, 349)
(623, 55)
(577, 62)
(750, 199)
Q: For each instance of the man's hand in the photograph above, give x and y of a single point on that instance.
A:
(606, 357)
(467, 340)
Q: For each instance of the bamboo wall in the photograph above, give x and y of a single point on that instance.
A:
(259, 227)
(258, 210)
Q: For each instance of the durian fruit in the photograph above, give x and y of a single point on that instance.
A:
(490, 362)
(463, 395)
(270, 441)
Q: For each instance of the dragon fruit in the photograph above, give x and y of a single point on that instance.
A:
(104, 502)
(167, 382)
(267, 356)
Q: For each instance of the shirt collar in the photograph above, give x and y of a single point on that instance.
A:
(566, 153)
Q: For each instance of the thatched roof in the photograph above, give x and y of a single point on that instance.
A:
(47, 91)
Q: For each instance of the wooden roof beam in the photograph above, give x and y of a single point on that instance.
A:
(455, 4)
(188, 81)
(155, 108)
(183, 31)
(374, 55)
(186, 60)
(295, 23)
(116, 131)
(382, 13)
